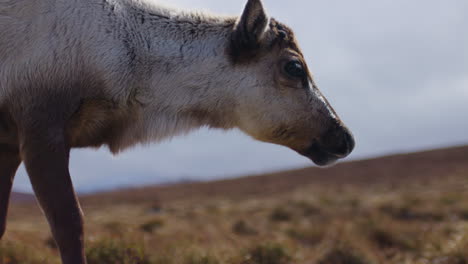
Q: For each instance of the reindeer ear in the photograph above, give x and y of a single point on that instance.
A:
(252, 25)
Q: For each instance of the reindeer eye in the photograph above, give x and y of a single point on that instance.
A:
(294, 69)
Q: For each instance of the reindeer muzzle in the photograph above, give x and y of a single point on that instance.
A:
(335, 144)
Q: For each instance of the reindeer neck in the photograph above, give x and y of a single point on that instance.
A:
(182, 59)
(182, 37)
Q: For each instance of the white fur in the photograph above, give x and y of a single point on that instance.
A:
(177, 66)
(191, 68)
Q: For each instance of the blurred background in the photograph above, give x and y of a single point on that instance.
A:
(396, 71)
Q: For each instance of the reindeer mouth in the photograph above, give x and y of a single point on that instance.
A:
(323, 155)
(335, 144)
(320, 155)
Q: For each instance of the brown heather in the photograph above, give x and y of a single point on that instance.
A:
(392, 210)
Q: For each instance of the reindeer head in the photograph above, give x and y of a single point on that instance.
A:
(278, 100)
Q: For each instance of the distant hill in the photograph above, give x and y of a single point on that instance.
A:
(21, 197)
(394, 209)
(395, 169)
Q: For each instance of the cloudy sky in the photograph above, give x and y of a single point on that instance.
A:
(395, 70)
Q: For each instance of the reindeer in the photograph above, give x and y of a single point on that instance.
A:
(115, 73)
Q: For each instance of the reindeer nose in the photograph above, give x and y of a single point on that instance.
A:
(336, 143)
(348, 143)
(339, 141)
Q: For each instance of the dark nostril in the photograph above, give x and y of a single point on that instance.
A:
(347, 143)
(338, 141)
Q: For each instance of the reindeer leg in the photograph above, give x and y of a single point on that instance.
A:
(9, 163)
(46, 155)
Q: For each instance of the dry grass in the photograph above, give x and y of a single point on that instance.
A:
(416, 220)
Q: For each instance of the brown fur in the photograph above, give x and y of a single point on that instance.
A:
(46, 158)
(40, 130)
(280, 37)
(8, 130)
(44, 148)
(97, 122)
(9, 163)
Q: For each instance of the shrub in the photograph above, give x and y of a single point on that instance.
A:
(280, 214)
(151, 226)
(267, 254)
(156, 208)
(115, 228)
(14, 254)
(162, 259)
(343, 255)
(397, 212)
(197, 259)
(242, 228)
(463, 214)
(449, 199)
(450, 260)
(116, 252)
(50, 243)
(406, 213)
(307, 208)
(310, 236)
(385, 239)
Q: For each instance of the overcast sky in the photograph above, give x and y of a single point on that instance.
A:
(396, 71)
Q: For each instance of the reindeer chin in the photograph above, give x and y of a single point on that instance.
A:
(320, 156)
(323, 160)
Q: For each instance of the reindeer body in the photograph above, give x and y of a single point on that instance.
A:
(87, 73)
(97, 56)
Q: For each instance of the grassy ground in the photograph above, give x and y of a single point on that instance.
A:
(422, 220)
